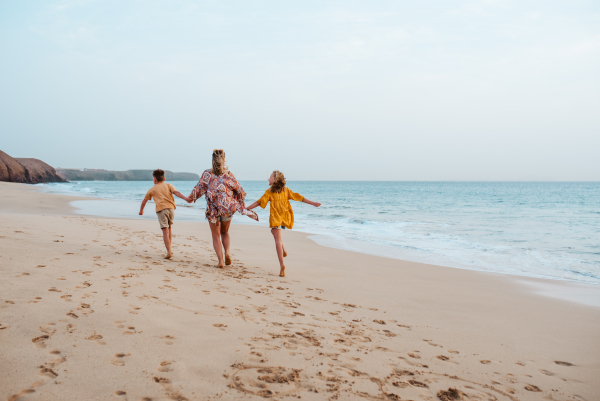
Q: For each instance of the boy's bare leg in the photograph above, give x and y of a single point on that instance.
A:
(226, 240)
(279, 247)
(167, 238)
(216, 236)
(171, 238)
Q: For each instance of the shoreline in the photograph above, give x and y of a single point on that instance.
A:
(341, 324)
(194, 214)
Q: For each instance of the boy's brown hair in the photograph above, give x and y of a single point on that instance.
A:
(159, 175)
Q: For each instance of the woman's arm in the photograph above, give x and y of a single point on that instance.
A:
(252, 206)
(315, 204)
(197, 192)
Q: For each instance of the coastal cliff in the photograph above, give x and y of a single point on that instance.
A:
(26, 170)
(129, 175)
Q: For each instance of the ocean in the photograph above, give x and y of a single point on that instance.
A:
(536, 229)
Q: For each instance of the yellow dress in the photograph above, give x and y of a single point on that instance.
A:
(281, 210)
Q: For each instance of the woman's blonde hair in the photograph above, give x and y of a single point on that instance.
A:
(278, 182)
(218, 162)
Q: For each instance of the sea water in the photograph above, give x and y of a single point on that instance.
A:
(536, 229)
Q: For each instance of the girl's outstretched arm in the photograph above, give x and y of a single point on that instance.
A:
(315, 204)
(252, 206)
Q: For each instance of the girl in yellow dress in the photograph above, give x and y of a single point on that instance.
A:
(282, 215)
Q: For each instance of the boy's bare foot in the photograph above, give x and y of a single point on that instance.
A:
(282, 271)
(227, 260)
(284, 254)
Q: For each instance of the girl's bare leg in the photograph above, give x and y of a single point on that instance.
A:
(284, 252)
(216, 236)
(279, 247)
(226, 240)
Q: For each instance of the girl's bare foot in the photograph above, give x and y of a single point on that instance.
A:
(282, 271)
(227, 260)
(284, 254)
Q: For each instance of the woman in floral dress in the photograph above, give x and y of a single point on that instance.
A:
(224, 197)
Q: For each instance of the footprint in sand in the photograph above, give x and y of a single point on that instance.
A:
(561, 363)
(165, 366)
(130, 330)
(485, 362)
(168, 339)
(415, 356)
(97, 338)
(442, 358)
(18, 397)
(71, 314)
(119, 359)
(39, 341)
(531, 387)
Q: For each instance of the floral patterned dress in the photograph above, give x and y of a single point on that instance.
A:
(224, 196)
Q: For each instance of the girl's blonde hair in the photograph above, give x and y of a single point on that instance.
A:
(218, 162)
(278, 183)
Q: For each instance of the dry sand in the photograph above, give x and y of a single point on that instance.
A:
(90, 310)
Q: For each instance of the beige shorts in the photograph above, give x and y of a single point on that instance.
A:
(166, 217)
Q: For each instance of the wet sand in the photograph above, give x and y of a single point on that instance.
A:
(90, 310)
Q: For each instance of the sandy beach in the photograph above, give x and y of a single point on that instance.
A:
(90, 310)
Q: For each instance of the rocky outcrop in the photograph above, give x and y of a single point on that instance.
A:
(39, 171)
(11, 170)
(129, 175)
(30, 171)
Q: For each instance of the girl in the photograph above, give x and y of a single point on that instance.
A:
(282, 215)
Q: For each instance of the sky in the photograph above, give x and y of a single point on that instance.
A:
(321, 90)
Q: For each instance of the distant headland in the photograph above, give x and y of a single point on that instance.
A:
(34, 171)
(74, 174)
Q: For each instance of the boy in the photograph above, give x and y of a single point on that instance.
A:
(162, 193)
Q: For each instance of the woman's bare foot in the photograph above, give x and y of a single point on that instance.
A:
(169, 255)
(227, 260)
(221, 265)
(282, 271)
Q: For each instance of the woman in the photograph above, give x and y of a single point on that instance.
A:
(224, 197)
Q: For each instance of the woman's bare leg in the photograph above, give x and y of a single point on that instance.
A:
(279, 247)
(216, 236)
(226, 240)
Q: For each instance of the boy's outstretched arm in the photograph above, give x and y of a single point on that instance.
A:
(252, 206)
(315, 204)
(179, 195)
(143, 206)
